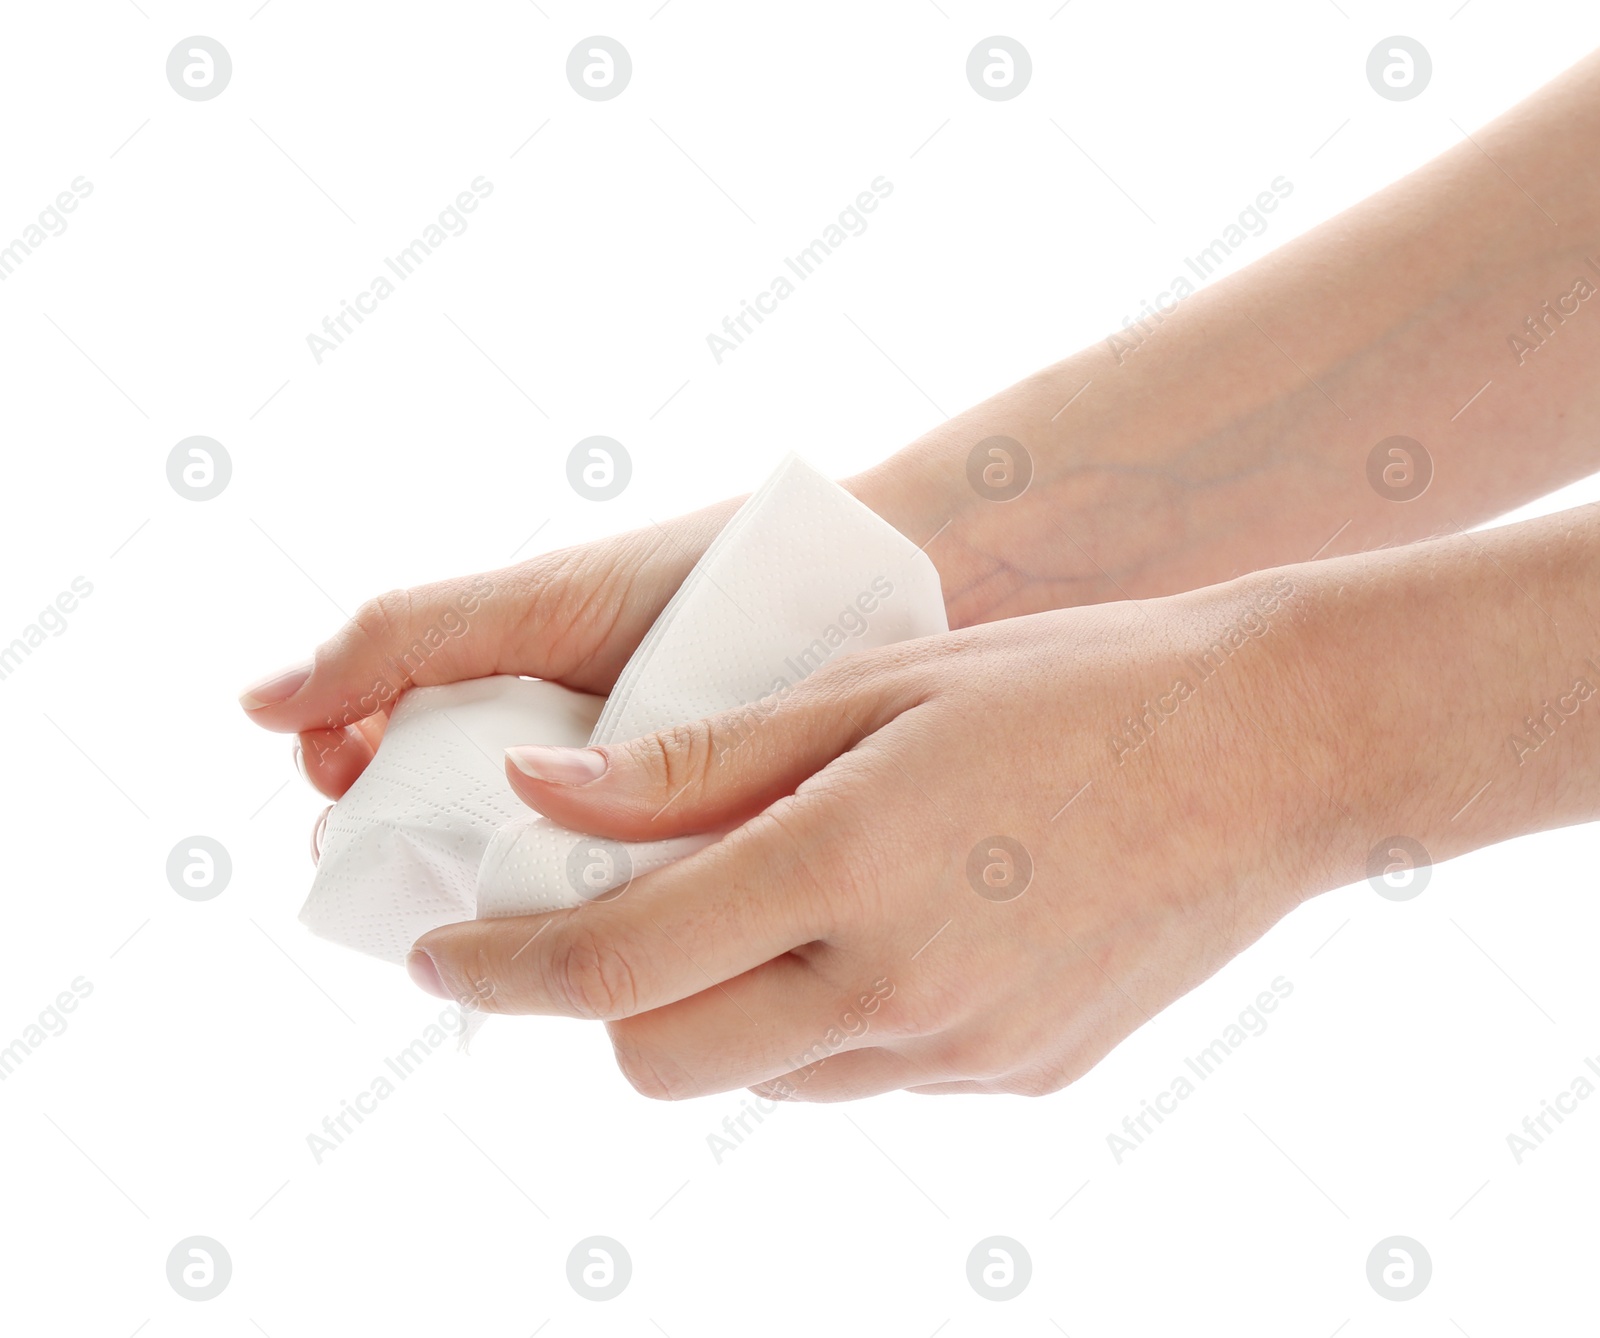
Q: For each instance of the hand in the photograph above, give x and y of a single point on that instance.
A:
(873, 923)
(574, 616)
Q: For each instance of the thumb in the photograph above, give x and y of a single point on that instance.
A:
(431, 634)
(709, 773)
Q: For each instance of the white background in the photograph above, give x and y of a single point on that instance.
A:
(217, 1037)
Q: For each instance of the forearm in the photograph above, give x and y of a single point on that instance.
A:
(1236, 434)
(1448, 692)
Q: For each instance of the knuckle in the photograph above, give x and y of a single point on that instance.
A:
(844, 845)
(834, 864)
(474, 980)
(384, 618)
(473, 990)
(927, 1011)
(593, 976)
(652, 1076)
(782, 835)
(679, 757)
(733, 729)
(841, 678)
(898, 671)
(782, 824)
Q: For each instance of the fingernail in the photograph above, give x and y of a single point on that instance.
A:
(300, 762)
(278, 688)
(422, 970)
(559, 766)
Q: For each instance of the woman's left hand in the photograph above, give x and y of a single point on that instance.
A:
(962, 865)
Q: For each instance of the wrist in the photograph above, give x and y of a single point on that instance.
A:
(1069, 488)
(1142, 480)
